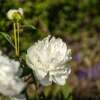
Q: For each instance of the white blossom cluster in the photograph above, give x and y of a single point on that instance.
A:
(48, 59)
(10, 83)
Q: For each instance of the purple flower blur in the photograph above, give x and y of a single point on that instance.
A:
(81, 73)
(95, 71)
(91, 73)
(77, 57)
(21, 1)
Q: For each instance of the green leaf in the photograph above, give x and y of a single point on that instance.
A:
(7, 37)
(29, 26)
(66, 89)
(35, 33)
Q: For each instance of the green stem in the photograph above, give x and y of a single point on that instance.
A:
(15, 38)
(18, 31)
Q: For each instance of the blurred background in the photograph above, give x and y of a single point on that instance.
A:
(77, 22)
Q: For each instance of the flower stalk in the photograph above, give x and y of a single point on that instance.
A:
(18, 32)
(16, 28)
(16, 15)
(15, 38)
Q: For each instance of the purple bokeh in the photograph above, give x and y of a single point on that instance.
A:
(95, 71)
(77, 57)
(91, 73)
(21, 1)
(82, 73)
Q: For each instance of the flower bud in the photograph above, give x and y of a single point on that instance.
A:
(15, 14)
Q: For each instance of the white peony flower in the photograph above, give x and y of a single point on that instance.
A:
(10, 83)
(48, 59)
(15, 14)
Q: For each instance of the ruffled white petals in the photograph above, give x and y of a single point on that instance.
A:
(40, 74)
(10, 83)
(45, 81)
(60, 76)
(48, 59)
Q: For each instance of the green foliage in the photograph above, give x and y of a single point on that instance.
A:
(7, 37)
(76, 21)
(55, 15)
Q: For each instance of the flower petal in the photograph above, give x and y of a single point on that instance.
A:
(40, 74)
(59, 80)
(45, 81)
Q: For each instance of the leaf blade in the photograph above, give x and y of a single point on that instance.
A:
(7, 37)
